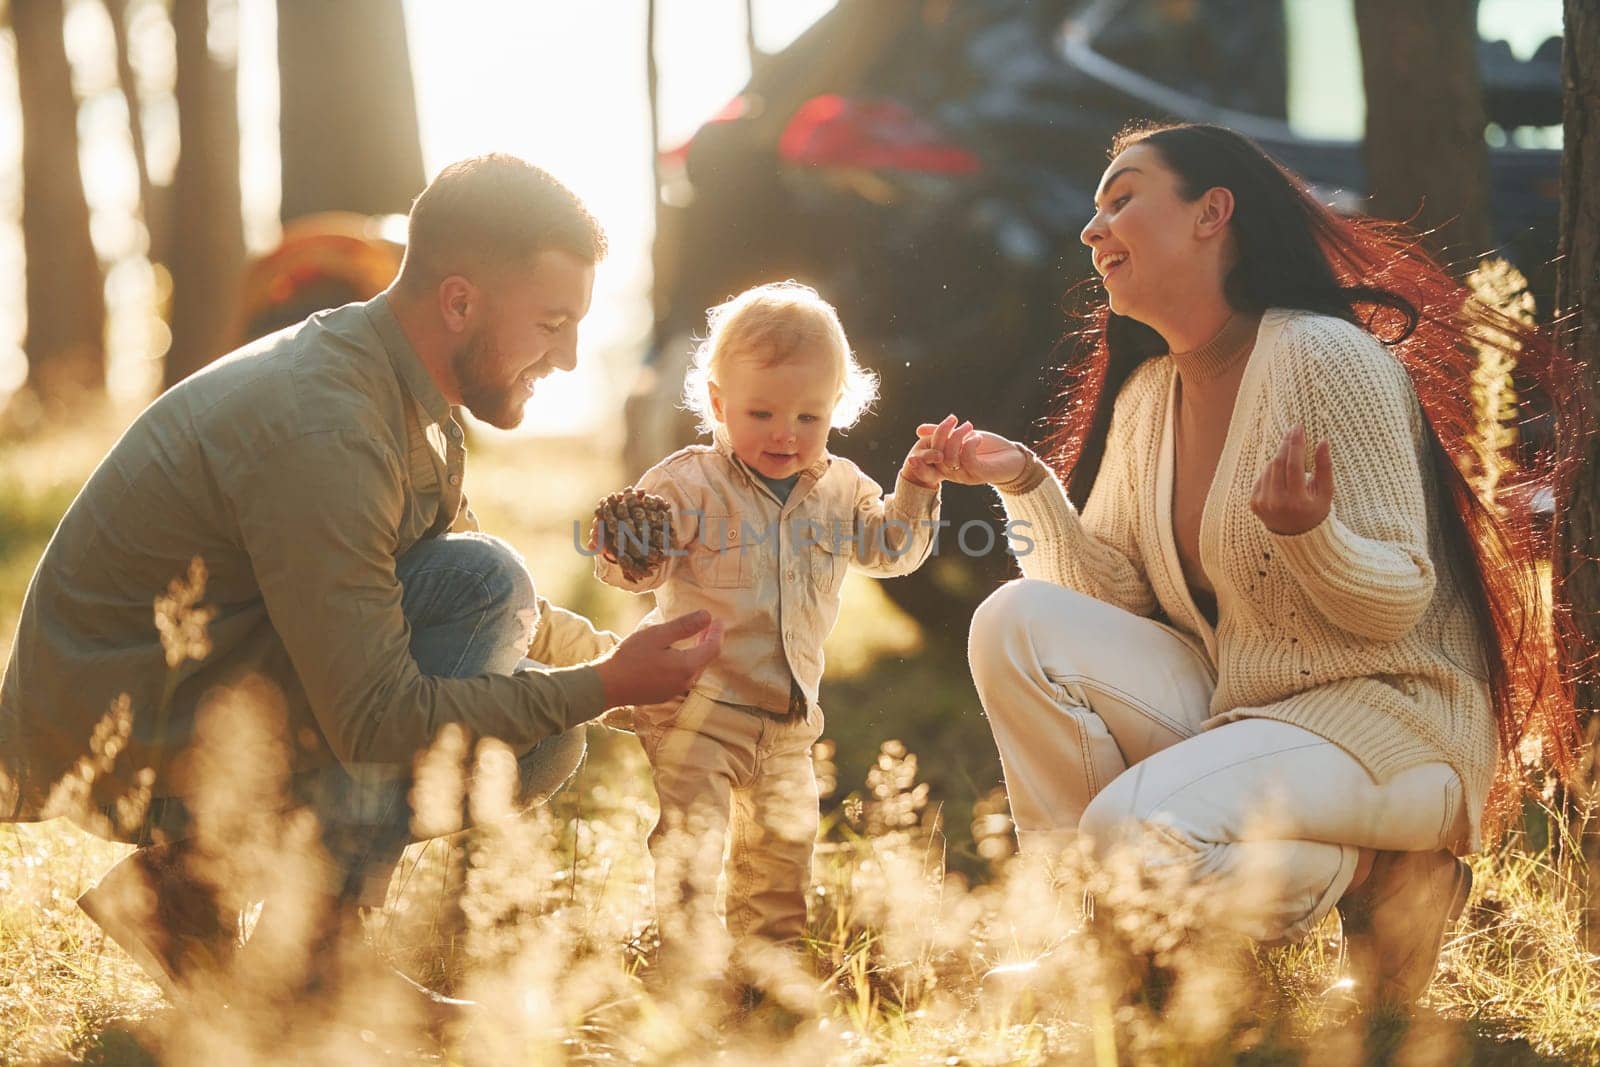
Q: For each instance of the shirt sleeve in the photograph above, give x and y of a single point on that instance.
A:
(1366, 566)
(564, 638)
(894, 534)
(319, 517)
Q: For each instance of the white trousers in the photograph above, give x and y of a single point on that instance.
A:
(1097, 714)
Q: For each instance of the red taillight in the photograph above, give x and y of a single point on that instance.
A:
(832, 131)
(737, 108)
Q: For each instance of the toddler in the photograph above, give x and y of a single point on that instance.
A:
(765, 523)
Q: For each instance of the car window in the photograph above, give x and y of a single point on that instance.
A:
(1300, 60)
(1521, 44)
(779, 22)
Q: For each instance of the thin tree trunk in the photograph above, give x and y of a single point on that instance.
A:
(65, 341)
(661, 266)
(1425, 154)
(1578, 293)
(348, 110)
(207, 239)
(129, 83)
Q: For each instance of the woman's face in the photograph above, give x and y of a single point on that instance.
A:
(1143, 234)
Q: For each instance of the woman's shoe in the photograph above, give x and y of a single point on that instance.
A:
(1394, 925)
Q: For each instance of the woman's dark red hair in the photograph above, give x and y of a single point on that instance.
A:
(1292, 252)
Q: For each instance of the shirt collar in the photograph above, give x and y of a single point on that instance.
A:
(407, 364)
(724, 447)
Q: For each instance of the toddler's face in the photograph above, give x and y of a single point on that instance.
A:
(778, 417)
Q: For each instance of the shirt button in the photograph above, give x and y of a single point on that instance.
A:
(455, 431)
(455, 479)
(788, 635)
(791, 576)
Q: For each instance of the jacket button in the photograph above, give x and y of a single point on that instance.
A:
(455, 479)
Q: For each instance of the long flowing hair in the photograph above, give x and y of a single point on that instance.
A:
(1294, 253)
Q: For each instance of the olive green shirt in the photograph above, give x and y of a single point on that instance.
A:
(299, 469)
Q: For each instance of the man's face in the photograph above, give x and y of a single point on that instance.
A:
(529, 329)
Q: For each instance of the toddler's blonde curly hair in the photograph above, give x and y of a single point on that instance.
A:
(771, 324)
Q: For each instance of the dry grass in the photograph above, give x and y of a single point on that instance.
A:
(547, 918)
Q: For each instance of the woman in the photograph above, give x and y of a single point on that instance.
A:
(1300, 685)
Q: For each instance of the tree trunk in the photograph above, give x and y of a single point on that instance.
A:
(348, 109)
(149, 206)
(1425, 154)
(66, 308)
(1578, 293)
(207, 235)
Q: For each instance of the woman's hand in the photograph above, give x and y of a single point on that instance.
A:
(1286, 499)
(966, 455)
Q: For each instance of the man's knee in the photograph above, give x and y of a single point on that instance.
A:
(501, 574)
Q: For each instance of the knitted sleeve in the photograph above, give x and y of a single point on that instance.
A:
(1095, 552)
(1366, 566)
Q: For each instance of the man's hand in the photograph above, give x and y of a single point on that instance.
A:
(1287, 500)
(646, 669)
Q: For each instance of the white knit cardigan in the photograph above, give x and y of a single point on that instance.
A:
(1352, 630)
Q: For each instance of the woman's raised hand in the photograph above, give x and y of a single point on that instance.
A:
(968, 456)
(1286, 499)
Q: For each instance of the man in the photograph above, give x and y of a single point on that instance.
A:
(348, 601)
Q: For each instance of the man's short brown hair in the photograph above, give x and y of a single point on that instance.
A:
(493, 212)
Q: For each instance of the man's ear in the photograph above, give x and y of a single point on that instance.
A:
(458, 300)
(1216, 211)
(716, 402)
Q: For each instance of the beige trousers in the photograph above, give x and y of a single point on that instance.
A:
(724, 771)
(1097, 714)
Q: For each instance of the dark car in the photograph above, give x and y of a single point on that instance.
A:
(928, 166)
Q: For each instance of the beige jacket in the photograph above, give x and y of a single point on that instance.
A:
(1356, 630)
(772, 573)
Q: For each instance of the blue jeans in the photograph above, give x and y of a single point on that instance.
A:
(468, 599)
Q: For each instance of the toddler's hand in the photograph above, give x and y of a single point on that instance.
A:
(936, 456)
(922, 467)
(632, 528)
(594, 542)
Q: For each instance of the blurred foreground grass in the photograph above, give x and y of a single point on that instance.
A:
(917, 895)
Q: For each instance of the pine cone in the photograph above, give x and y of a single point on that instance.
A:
(635, 528)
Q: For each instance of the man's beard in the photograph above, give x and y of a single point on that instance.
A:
(493, 402)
